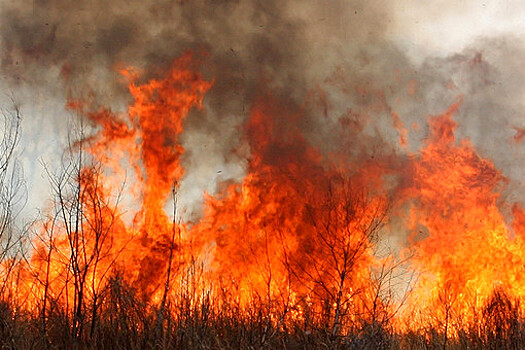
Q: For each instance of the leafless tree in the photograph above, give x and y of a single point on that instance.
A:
(12, 191)
(344, 223)
(76, 239)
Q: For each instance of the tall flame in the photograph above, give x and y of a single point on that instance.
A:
(298, 233)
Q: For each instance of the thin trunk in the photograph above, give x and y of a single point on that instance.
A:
(160, 315)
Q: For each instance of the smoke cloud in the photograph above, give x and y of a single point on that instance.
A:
(330, 60)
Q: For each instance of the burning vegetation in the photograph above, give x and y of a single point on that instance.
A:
(352, 225)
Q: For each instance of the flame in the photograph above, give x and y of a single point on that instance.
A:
(270, 232)
(470, 250)
(87, 239)
(297, 234)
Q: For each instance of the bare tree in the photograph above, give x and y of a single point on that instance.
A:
(12, 191)
(344, 223)
(76, 242)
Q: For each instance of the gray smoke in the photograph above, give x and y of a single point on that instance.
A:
(333, 60)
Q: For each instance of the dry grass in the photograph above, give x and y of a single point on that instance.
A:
(126, 322)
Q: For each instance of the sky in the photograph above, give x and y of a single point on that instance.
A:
(441, 27)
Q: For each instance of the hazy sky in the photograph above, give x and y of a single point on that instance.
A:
(441, 27)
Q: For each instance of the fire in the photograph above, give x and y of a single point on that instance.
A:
(470, 250)
(86, 238)
(295, 225)
(297, 234)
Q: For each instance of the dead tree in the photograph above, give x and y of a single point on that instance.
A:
(12, 192)
(344, 222)
(83, 221)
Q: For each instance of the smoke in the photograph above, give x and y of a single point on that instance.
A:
(337, 62)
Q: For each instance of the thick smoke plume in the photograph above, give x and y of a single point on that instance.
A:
(331, 60)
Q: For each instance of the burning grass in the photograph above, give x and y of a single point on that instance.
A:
(286, 258)
(125, 321)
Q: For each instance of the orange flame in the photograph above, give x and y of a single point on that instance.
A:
(469, 251)
(298, 233)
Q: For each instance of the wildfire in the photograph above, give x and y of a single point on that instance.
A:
(470, 250)
(298, 233)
